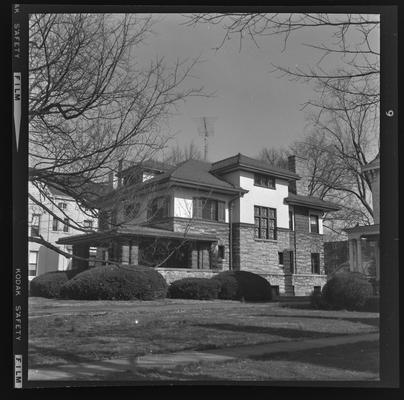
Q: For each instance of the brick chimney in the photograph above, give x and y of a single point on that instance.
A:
(296, 165)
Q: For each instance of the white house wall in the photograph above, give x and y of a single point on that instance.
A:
(259, 196)
(183, 201)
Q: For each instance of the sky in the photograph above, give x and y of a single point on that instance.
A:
(252, 107)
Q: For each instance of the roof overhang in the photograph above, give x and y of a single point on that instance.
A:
(244, 167)
(134, 233)
(312, 204)
(213, 188)
(367, 231)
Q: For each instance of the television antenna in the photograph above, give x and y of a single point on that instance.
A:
(205, 129)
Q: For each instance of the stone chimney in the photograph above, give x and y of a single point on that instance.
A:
(296, 165)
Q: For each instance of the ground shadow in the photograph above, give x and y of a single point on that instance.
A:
(360, 356)
(372, 321)
(267, 330)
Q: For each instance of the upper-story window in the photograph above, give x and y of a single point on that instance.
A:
(131, 210)
(314, 225)
(36, 218)
(264, 181)
(315, 263)
(265, 222)
(62, 206)
(209, 209)
(159, 208)
(66, 225)
(55, 224)
(88, 224)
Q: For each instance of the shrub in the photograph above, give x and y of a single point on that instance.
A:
(238, 285)
(372, 304)
(116, 283)
(49, 284)
(194, 288)
(317, 301)
(347, 290)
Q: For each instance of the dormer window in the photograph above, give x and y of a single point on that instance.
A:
(158, 208)
(266, 181)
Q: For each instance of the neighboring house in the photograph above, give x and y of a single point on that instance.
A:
(368, 236)
(42, 223)
(198, 218)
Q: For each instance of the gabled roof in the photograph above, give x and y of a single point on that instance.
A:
(311, 202)
(240, 161)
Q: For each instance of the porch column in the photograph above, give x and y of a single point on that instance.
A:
(359, 255)
(125, 254)
(134, 253)
(352, 254)
(194, 256)
(80, 250)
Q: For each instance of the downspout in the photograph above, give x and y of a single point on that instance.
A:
(231, 228)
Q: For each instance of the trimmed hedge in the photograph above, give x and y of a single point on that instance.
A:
(238, 285)
(49, 284)
(116, 283)
(194, 288)
(347, 290)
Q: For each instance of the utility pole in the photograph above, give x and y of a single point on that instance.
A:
(205, 129)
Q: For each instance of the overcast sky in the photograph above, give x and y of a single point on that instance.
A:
(253, 107)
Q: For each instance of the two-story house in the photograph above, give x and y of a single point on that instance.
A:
(44, 224)
(198, 218)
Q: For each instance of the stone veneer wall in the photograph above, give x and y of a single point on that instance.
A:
(173, 274)
(258, 255)
(218, 229)
(306, 243)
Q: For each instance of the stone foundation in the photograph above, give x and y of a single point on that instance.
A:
(172, 274)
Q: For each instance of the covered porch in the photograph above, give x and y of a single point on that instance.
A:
(363, 238)
(145, 246)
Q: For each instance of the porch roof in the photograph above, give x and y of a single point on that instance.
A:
(365, 230)
(134, 232)
(312, 202)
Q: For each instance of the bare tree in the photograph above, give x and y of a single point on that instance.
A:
(177, 154)
(92, 103)
(276, 157)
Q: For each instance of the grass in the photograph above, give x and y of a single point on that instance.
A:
(61, 332)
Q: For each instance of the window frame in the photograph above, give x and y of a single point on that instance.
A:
(62, 205)
(281, 260)
(36, 252)
(317, 231)
(164, 209)
(261, 218)
(315, 264)
(269, 181)
(200, 210)
(88, 223)
(37, 226)
(65, 224)
(55, 224)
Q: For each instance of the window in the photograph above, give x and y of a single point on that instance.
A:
(36, 218)
(92, 256)
(315, 263)
(131, 210)
(55, 224)
(265, 223)
(314, 223)
(32, 263)
(292, 264)
(291, 220)
(158, 208)
(209, 209)
(62, 206)
(317, 289)
(65, 225)
(275, 290)
(264, 180)
(88, 224)
(280, 258)
(221, 252)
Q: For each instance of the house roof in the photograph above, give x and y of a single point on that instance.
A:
(190, 173)
(240, 161)
(365, 230)
(149, 165)
(312, 202)
(133, 232)
(374, 164)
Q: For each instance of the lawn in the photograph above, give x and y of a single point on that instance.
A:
(62, 332)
